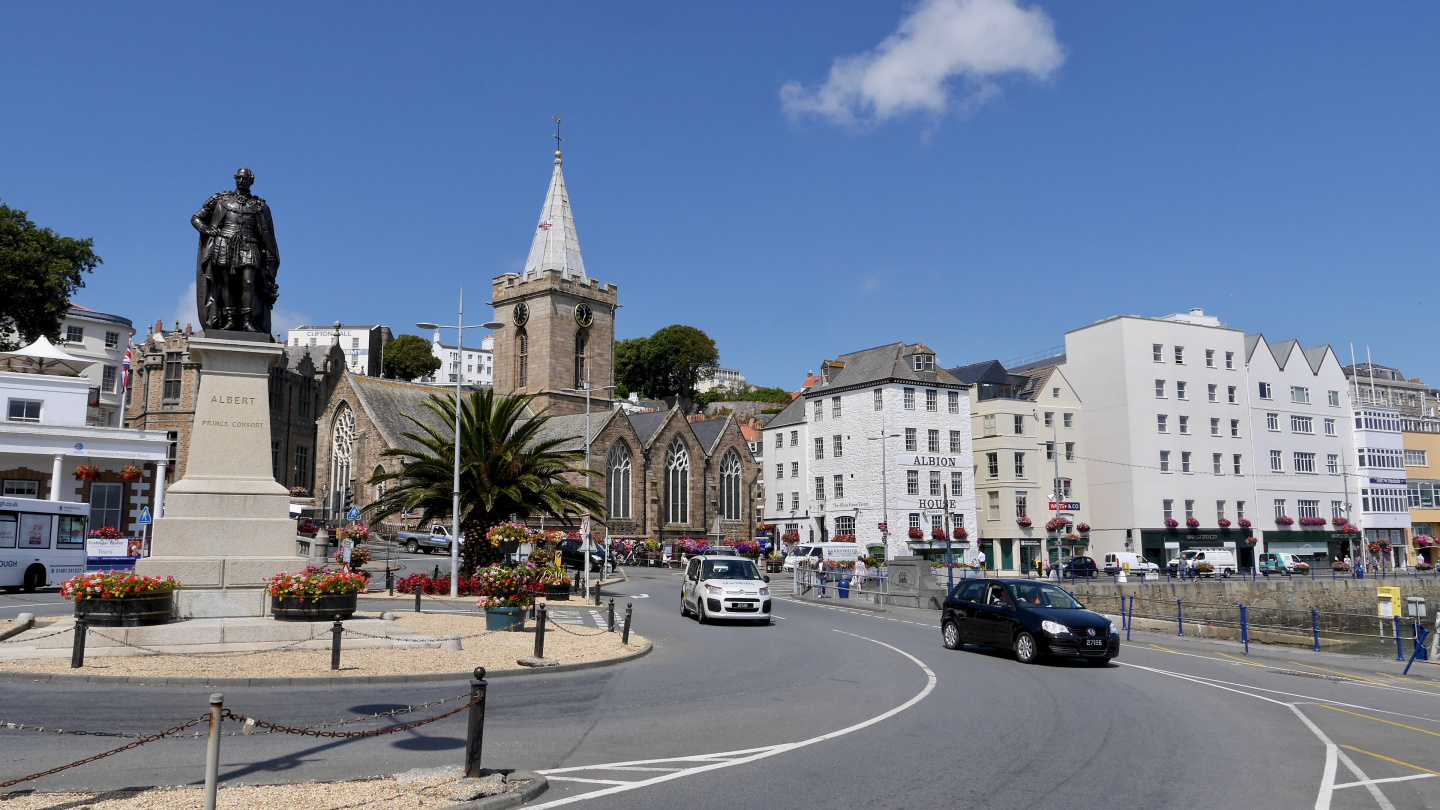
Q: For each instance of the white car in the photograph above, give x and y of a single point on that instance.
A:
(725, 588)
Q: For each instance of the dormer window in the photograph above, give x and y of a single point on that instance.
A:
(924, 362)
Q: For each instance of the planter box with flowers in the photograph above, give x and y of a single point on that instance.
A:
(1340, 565)
(1243, 523)
(960, 534)
(1223, 523)
(1193, 523)
(1284, 520)
(1022, 521)
(1339, 522)
(1203, 567)
(503, 596)
(1422, 541)
(938, 535)
(916, 534)
(1171, 523)
(1312, 521)
(315, 594)
(121, 598)
(298, 492)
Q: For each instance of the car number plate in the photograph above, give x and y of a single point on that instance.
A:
(1094, 642)
(742, 606)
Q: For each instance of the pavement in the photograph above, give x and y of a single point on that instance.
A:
(829, 707)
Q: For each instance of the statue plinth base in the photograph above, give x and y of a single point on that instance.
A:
(227, 525)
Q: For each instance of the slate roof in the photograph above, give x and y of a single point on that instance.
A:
(646, 424)
(990, 371)
(387, 402)
(888, 362)
(1049, 362)
(571, 428)
(708, 432)
(1315, 356)
(1281, 352)
(1251, 341)
(794, 414)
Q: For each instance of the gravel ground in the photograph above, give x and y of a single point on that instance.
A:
(493, 651)
(370, 794)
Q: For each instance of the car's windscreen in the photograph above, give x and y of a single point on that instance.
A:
(1039, 594)
(729, 569)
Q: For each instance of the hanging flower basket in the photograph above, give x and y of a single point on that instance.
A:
(792, 536)
(1171, 523)
(1193, 523)
(1243, 523)
(1073, 539)
(87, 472)
(1055, 524)
(131, 473)
(916, 534)
(1339, 522)
(1422, 541)
(1284, 520)
(507, 532)
(1223, 523)
(1022, 521)
(960, 534)
(1247, 540)
(1312, 521)
(1083, 528)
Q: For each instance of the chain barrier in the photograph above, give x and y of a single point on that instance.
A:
(199, 735)
(251, 722)
(142, 741)
(553, 623)
(21, 638)
(233, 654)
(360, 634)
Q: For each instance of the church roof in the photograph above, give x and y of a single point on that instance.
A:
(387, 402)
(708, 432)
(646, 424)
(556, 245)
(570, 428)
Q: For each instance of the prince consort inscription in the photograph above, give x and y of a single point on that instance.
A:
(229, 400)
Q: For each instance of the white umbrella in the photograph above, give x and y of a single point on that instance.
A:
(42, 357)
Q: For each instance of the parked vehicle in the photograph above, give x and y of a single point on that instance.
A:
(1221, 559)
(1079, 567)
(1034, 619)
(41, 542)
(307, 527)
(849, 552)
(438, 538)
(724, 588)
(571, 555)
(1279, 562)
(1130, 562)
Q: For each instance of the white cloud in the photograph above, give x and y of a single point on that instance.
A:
(283, 320)
(911, 70)
(874, 280)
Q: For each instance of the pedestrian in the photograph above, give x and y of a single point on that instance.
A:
(980, 556)
(822, 572)
(859, 578)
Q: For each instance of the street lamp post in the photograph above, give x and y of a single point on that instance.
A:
(884, 483)
(459, 328)
(605, 555)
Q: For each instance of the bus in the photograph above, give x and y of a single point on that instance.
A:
(41, 542)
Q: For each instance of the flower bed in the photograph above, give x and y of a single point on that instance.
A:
(114, 584)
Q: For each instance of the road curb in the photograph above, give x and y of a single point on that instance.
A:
(538, 784)
(841, 603)
(17, 630)
(128, 680)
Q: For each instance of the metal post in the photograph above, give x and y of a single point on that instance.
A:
(336, 630)
(455, 493)
(1399, 642)
(610, 626)
(417, 597)
(949, 551)
(212, 751)
(1244, 630)
(1179, 618)
(475, 733)
(1131, 623)
(540, 631)
(625, 633)
(597, 586)
(1315, 627)
(77, 652)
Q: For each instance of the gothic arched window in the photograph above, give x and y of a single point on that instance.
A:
(522, 358)
(342, 445)
(677, 482)
(730, 486)
(581, 340)
(617, 482)
(380, 487)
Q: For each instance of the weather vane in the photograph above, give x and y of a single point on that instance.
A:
(557, 137)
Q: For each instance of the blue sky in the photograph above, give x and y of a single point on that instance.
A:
(981, 181)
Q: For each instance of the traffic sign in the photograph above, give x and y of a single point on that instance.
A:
(144, 516)
(884, 526)
(353, 514)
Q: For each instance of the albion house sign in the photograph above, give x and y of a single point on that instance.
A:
(929, 461)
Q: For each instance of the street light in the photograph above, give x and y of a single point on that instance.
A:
(459, 328)
(884, 482)
(605, 555)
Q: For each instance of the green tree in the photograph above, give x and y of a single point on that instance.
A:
(675, 358)
(630, 367)
(408, 357)
(39, 271)
(506, 468)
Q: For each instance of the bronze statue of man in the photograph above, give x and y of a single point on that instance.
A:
(235, 271)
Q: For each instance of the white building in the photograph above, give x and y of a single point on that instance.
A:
(1384, 512)
(102, 339)
(1302, 444)
(1146, 386)
(883, 438)
(720, 378)
(45, 438)
(364, 346)
(476, 367)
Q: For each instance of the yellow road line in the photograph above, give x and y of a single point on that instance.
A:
(1388, 759)
(1241, 660)
(1409, 680)
(1158, 647)
(1377, 719)
(1342, 674)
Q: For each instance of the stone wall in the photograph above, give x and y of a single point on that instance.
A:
(1289, 593)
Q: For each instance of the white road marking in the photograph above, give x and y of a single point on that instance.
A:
(726, 759)
(587, 781)
(1390, 779)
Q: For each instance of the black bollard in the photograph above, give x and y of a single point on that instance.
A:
(625, 634)
(610, 626)
(417, 598)
(475, 733)
(539, 631)
(77, 652)
(336, 630)
(597, 591)
(389, 579)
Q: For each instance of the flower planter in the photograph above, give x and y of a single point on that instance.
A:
(504, 618)
(557, 592)
(128, 611)
(323, 608)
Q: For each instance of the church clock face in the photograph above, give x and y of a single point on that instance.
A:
(521, 313)
(584, 315)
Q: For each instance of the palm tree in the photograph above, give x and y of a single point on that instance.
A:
(506, 469)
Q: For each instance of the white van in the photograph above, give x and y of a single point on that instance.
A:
(850, 552)
(1223, 559)
(1129, 563)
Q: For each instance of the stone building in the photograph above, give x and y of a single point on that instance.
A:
(165, 379)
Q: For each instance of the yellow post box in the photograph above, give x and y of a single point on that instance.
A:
(1389, 601)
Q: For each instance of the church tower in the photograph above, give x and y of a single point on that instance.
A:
(559, 323)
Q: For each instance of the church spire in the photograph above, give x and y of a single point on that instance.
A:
(556, 246)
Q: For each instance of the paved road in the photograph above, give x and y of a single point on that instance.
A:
(831, 707)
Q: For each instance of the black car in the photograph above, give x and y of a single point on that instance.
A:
(1032, 618)
(571, 556)
(1079, 567)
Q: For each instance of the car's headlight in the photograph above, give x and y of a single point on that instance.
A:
(765, 591)
(1053, 628)
(715, 589)
(1110, 629)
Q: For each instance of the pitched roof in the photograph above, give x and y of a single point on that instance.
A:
(1049, 362)
(1315, 356)
(750, 432)
(1281, 352)
(570, 428)
(556, 245)
(793, 414)
(990, 371)
(708, 432)
(646, 424)
(1251, 341)
(886, 362)
(387, 402)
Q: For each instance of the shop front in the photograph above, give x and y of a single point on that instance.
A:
(1320, 549)
(1162, 545)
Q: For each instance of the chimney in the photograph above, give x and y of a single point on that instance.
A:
(1197, 311)
(188, 329)
(159, 327)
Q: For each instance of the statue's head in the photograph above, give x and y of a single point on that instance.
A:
(244, 178)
